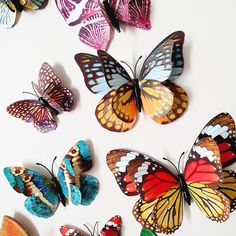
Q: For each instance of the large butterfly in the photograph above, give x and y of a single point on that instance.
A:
(152, 91)
(11, 227)
(162, 192)
(98, 19)
(44, 194)
(52, 99)
(111, 228)
(9, 8)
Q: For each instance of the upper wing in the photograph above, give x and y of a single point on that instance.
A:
(121, 9)
(33, 4)
(93, 73)
(179, 104)
(33, 111)
(166, 60)
(7, 14)
(77, 161)
(221, 128)
(42, 200)
(49, 87)
(112, 227)
(69, 231)
(228, 187)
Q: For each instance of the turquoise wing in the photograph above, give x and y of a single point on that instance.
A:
(7, 14)
(76, 188)
(41, 199)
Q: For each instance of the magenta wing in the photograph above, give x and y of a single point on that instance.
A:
(121, 9)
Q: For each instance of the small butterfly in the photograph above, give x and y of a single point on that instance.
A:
(9, 8)
(11, 227)
(98, 19)
(52, 100)
(152, 91)
(44, 194)
(160, 208)
(111, 228)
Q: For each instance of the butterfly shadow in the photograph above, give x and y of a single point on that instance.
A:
(66, 81)
(28, 225)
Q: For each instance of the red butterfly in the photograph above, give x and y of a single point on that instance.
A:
(98, 19)
(52, 100)
(162, 192)
(111, 228)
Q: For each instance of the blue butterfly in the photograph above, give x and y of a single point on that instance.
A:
(45, 194)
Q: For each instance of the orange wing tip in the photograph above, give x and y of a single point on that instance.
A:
(10, 227)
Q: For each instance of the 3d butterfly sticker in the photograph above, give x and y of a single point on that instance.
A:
(152, 91)
(111, 228)
(98, 19)
(52, 99)
(11, 227)
(160, 208)
(9, 9)
(44, 194)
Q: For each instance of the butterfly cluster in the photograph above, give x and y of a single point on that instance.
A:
(9, 9)
(69, 185)
(152, 91)
(204, 179)
(111, 228)
(97, 19)
(52, 99)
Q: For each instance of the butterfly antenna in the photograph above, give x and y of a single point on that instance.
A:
(135, 68)
(39, 164)
(95, 228)
(129, 67)
(180, 159)
(32, 83)
(53, 164)
(88, 229)
(171, 163)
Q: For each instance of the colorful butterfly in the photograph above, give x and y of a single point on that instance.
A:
(152, 91)
(44, 194)
(9, 8)
(11, 227)
(160, 207)
(98, 19)
(52, 100)
(111, 228)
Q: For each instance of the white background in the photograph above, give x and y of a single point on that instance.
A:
(209, 79)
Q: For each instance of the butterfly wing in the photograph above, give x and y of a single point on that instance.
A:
(112, 227)
(160, 208)
(179, 103)
(93, 73)
(146, 232)
(77, 188)
(41, 199)
(33, 111)
(33, 4)
(203, 171)
(221, 128)
(121, 9)
(7, 14)
(69, 231)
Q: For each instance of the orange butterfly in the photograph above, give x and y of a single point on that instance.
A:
(152, 91)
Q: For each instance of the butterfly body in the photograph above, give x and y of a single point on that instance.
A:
(184, 188)
(46, 104)
(137, 94)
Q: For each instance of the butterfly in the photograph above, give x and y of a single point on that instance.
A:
(11, 227)
(162, 193)
(9, 8)
(152, 91)
(146, 232)
(70, 185)
(98, 19)
(52, 99)
(111, 228)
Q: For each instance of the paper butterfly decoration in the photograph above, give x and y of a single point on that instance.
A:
(146, 232)
(111, 228)
(44, 194)
(98, 19)
(203, 180)
(52, 99)
(11, 227)
(9, 8)
(152, 91)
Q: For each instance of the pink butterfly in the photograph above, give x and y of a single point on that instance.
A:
(52, 99)
(98, 19)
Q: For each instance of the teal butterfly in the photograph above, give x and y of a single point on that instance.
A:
(45, 194)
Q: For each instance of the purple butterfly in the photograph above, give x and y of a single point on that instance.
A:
(98, 19)
(52, 100)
